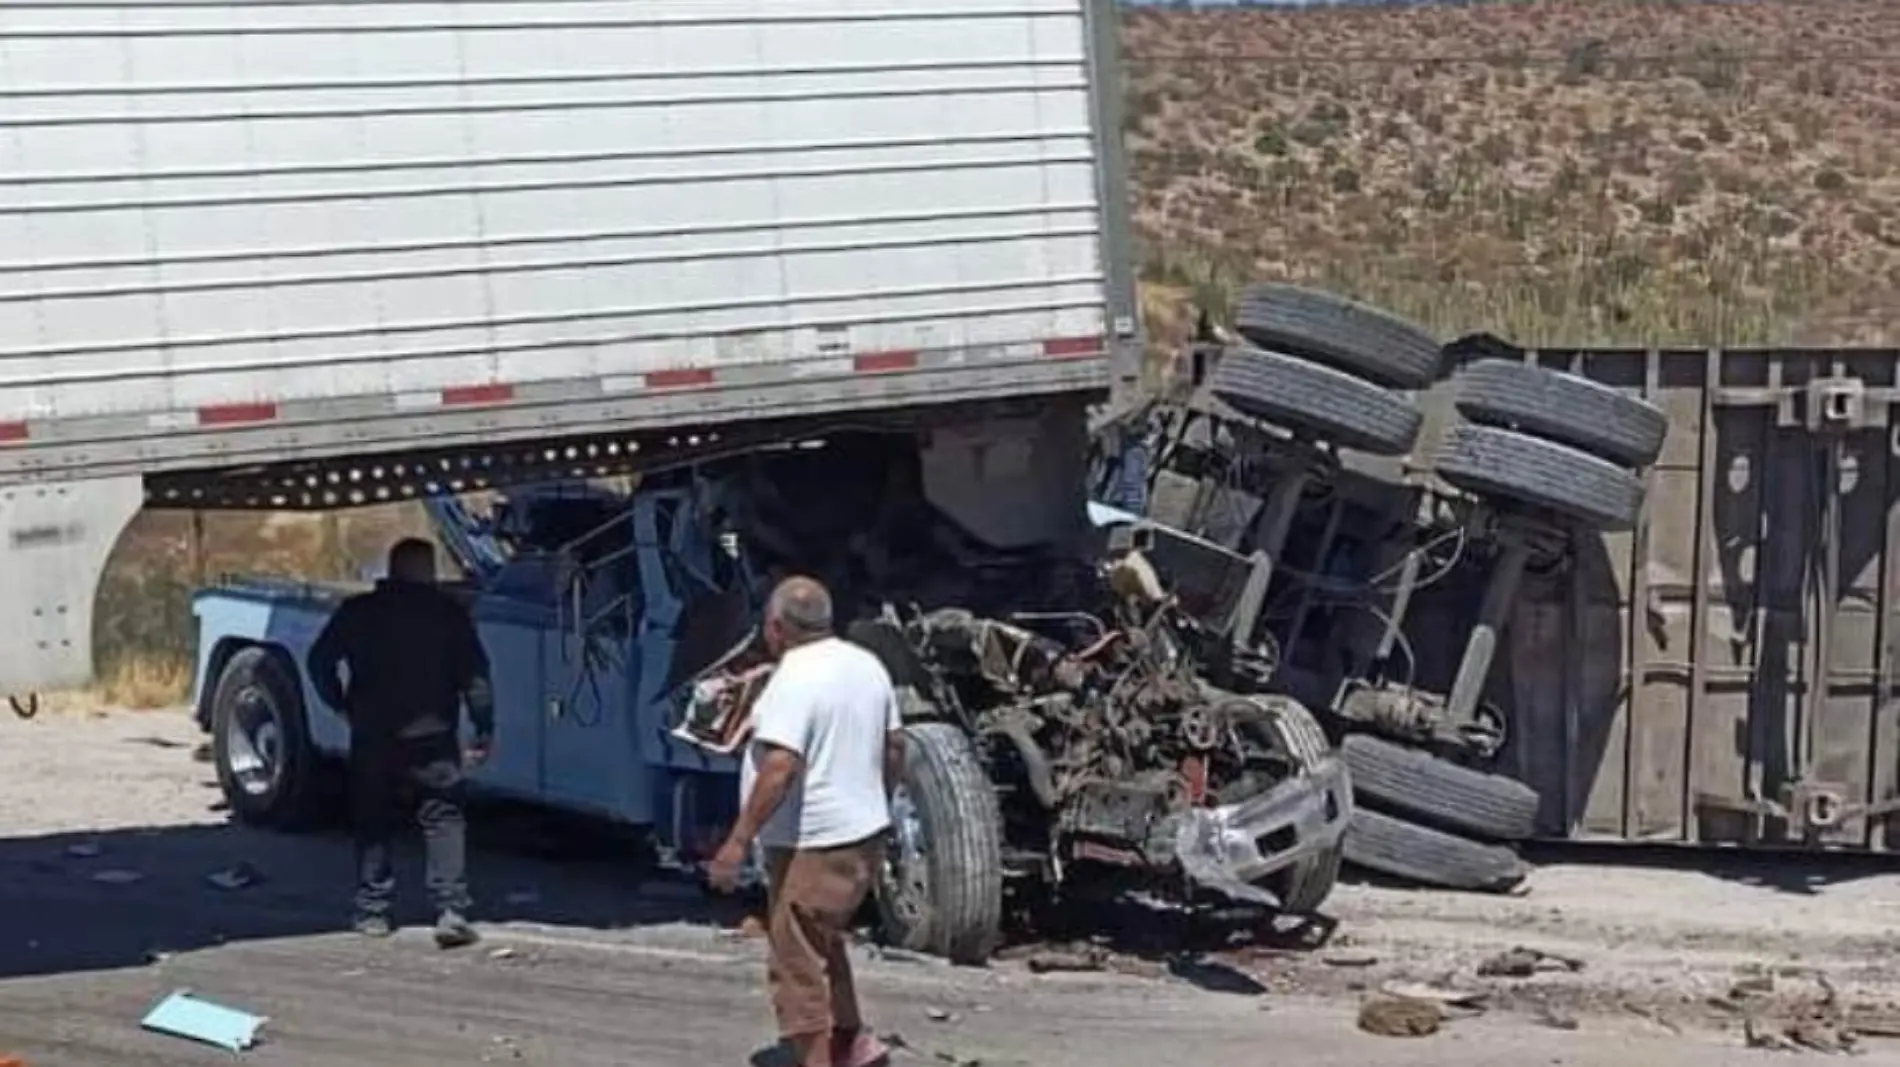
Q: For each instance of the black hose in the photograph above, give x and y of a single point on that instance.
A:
(1042, 780)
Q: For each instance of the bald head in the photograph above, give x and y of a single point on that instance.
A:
(799, 610)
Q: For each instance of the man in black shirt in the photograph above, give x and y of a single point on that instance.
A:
(414, 659)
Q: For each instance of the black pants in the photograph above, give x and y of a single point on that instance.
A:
(388, 782)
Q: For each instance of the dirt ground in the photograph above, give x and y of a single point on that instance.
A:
(112, 829)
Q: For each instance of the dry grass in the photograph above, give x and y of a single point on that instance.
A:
(143, 631)
(142, 683)
(1562, 171)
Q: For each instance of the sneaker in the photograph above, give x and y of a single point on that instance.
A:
(373, 926)
(454, 931)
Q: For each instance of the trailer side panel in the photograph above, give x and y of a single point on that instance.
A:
(355, 222)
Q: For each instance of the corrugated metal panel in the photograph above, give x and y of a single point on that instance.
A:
(213, 205)
(1740, 647)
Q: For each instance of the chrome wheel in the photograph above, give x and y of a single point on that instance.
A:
(254, 740)
(905, 877)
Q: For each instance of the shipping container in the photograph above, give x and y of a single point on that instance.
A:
(1726, 673)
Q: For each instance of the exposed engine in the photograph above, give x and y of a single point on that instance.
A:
(1100, 729)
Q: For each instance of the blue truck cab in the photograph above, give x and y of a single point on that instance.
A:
(600, 606)
(580, 595)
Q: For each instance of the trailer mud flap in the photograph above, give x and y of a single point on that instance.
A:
(57, 538)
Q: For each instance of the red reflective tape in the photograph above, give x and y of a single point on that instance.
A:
(1071, 347)
(884, 362)
(227, 414)
(478, 394)
(12, 431)
(683, 378)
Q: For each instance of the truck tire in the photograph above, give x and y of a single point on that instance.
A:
(1407, 781)
(1597, 418)
(1303, 887)
(1379, 842)
(940, 889)
(1373, 344)
(1504, 463)
(1302, 395)
(270, 772)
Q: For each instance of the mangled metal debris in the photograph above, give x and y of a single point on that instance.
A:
(1119, 740)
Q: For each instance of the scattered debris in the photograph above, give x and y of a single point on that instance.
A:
(1389, 1016)
(1522, 962)
(239, 875)
(501, 1047)
(502, 953)
(1802, 1036)
(117, 876)
(1431, 994)
(84, 850)
(1349, 959)
(182, 1014)
(941, 1015)
(1813, 1024)
(1087, 958)
(889, 952)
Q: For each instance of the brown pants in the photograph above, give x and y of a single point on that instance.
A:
(813, 895)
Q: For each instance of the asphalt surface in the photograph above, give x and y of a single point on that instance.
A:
(558, 999)
(589, 958)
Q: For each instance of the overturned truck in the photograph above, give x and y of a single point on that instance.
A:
(1393, 493)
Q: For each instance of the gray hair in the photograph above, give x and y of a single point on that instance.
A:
(801, 606)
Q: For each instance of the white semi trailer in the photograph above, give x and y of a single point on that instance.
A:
(317, 253)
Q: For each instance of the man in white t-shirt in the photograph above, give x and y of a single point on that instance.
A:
(815, 786)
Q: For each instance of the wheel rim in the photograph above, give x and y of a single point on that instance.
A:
(906, 871)
(254, 739)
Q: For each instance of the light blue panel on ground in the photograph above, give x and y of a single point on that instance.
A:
(183, 1015)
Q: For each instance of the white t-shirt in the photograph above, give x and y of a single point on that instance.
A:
(831, 702)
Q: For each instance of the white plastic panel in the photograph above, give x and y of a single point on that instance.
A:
(221, 203)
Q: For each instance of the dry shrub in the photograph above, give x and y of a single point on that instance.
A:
(144, 635)
(1557, 171)
(142, 683)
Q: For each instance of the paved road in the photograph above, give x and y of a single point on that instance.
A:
(578, 1000)
(602, 966)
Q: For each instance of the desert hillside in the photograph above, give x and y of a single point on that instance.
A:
(1580, 171)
